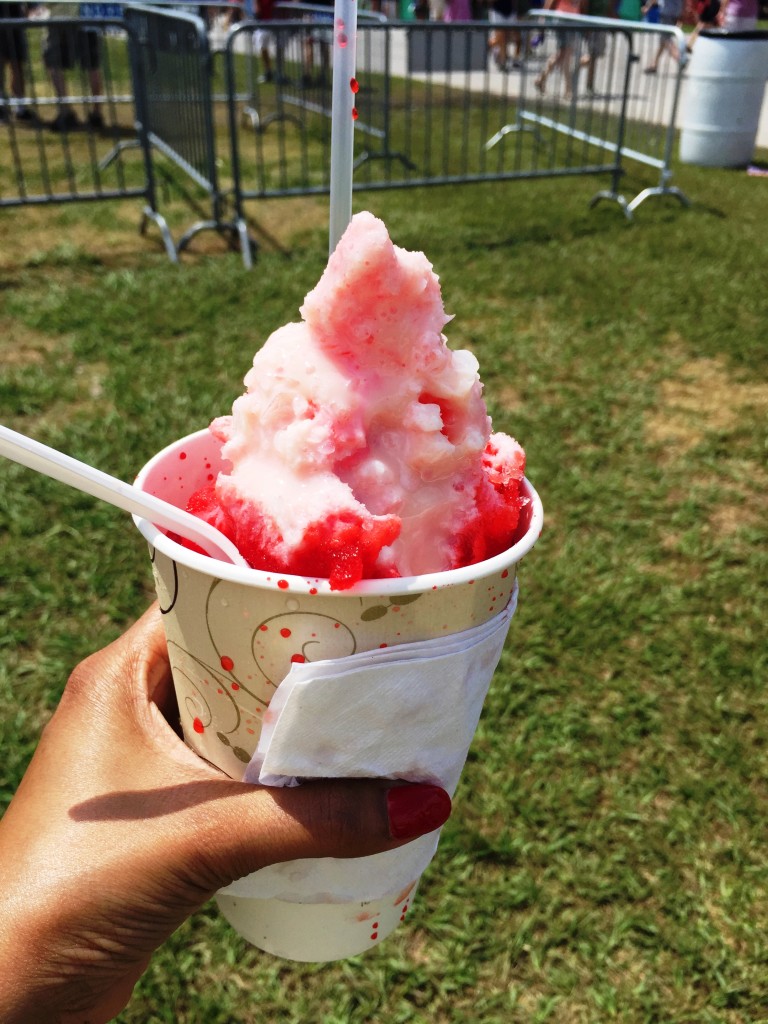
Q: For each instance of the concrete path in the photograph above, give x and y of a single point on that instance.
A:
(762, 130)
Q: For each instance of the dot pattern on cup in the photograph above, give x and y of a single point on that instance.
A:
(230, 645)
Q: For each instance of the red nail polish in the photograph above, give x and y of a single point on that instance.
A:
(417, 809)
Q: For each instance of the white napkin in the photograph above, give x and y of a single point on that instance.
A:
(406, 712)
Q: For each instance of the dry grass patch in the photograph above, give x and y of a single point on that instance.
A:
(701, 399)
(22, 346)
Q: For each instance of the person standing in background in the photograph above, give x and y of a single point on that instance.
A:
(501, 14)
(14, 53)
(264, 39)
(65, 47)
(595, 41)
(670, 13)
(707, 16)
(563, 56)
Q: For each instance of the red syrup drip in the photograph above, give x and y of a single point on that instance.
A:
(354, 113)
(354, 85)
(226, 663)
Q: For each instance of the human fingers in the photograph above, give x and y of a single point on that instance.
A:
(244, 828)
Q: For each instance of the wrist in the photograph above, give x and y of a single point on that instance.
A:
(19, 1002)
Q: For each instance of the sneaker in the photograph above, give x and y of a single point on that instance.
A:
(266, 78)
(27, 116)
(95, 120)
(65, 121)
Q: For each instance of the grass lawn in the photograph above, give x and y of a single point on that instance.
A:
(607, 859)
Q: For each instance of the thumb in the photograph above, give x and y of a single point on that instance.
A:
(255, 826)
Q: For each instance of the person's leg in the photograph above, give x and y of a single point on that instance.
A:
(89, 58)
(595, 50)
(517, 42)
(96, 84)
(589, 61)
(495, 39)
(266, 63)
(502, 49)
(17, 79)
(58, 57)
(325, 58)
(309, 59)
(549, 67)
(13, 51)
(566, 64)
(561, 58)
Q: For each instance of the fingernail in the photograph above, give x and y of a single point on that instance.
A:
(416, 809)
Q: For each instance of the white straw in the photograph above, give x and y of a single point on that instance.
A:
(342, 120)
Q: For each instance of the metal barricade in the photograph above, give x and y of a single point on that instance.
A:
(432, 108)
(432, 113)
(307, 52)
(651, 99)
(68, 127)
(171, 59)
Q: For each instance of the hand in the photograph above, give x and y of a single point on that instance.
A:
(119, 832)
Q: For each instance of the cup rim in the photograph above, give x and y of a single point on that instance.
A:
(389, 586)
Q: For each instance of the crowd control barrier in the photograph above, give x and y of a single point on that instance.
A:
(252, 120)
(171, 60)
(69, 132)
(650, 100)
(576, 102)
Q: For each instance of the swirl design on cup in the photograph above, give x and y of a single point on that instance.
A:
(170, 594)
(297, 637)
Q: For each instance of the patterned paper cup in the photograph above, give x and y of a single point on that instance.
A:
(233, 634)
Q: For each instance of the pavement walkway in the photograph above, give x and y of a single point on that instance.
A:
(762, 130)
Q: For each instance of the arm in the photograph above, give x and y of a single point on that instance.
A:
(118, 832)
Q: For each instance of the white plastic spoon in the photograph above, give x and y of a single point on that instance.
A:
(34, 455)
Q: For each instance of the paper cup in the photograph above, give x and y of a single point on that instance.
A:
(233, 634)
(316, 932)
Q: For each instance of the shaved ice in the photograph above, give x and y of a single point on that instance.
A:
(362, 447)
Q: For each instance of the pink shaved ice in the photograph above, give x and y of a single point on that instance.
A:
(362, 447)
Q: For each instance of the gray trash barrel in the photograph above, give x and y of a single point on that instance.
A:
(725, 84)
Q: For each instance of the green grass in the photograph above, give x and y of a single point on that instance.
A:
(607, 856)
